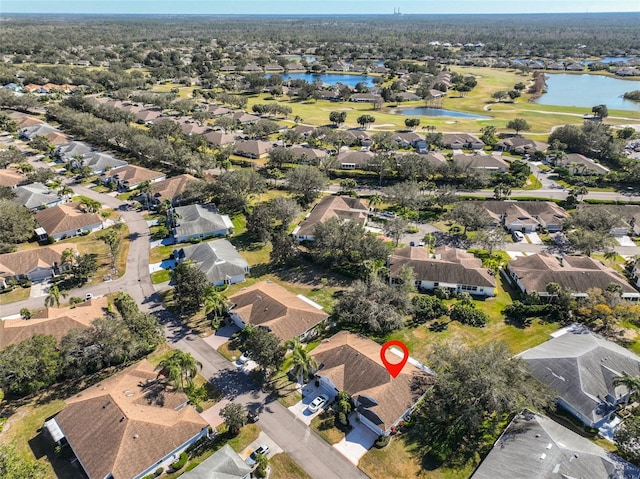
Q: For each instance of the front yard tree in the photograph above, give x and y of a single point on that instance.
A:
(474, 391)
(307, 181)
(518, 124)
(396, 228)
(14, 466)
(627, 439)
(338, 117)
(234, 417)
(179, 368)
(303, 364)
(264, 348)
(113, 241)
(190, 285)
(17, 224)
(470, 216)
(283, 247)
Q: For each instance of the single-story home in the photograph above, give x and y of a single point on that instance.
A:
(65, 221)
(218, 259)
(520, 145)
(352, 159)
(199, 221)
(244, 118)
(581, 165)
(171, 187)
(488, 163)
(219, 138)
(580, 367)
(345, 208)
(448, 268)
(67, 151)
(533, 445)
(128, 425)
(225, 463)
(308, 156)
(56, 322)
(351, 363)
(12, 177)
(33, 264)
(100, 162)
(458, 141)
(628, 217)
(36, 196)
(269, 305)
(578, 274)
(527, 216)
(253, 148)
(129, 177)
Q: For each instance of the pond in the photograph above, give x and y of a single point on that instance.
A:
(426, 111)
(330, 78)
(588, 90)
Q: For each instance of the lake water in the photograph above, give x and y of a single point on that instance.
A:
(330, 78)
(426, 111)
(589, 90)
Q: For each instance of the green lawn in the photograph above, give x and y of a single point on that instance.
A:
(248, 434)
(161, 276)
(283, 467)
(15, 295)
(324, 425)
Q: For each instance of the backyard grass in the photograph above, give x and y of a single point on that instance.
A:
(532, 183)
(324, 425)
(400, 459)
(248, 434)
(283, 467)
(161, 276)
(17, 294)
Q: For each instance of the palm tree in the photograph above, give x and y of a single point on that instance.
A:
(303, 363)
(144, 189)
(164, 206)
(632, 383)
(610, 256)
(214, 302)
(374, 200)
(24, 167)
(172, 218)
(65, 192)
(53, 298)
(178, 367)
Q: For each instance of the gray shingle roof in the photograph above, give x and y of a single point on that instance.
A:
(35, 195)
(217, 259)
(580, 366)
(200, 219)
(534, 446)
(223, 464)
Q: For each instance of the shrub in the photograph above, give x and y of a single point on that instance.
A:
(466, 313)
(179, 464)
(342, 419)
(73, 300)
(159, 471)
(149, 476)
(382, 441)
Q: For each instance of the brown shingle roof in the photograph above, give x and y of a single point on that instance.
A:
(343, 207)
(171, 187)
(134, 175)
(56, 322)
(270, 305)
(127, 423)
(21, 262)
(576, 273)
(353, 364)
(61, 218)
(11, 178)
(447, 265)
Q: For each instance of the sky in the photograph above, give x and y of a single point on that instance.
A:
(213, 7)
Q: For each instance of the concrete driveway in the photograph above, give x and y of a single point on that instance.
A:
(221, 336)
(624, 241)
(357, 442)
(212, 415)
(262, 439)
(309, 393)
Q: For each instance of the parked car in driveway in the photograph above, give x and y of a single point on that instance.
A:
(318, 402)
(253, 457)
(517, 236)
(252, 415)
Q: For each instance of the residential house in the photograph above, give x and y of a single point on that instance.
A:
(171, 188)
(100, 162)
(485, 163)
(352, 159)
(219, 138)
(269, 305)
(199, 221)
(12, 177)
(351, 363)
(580, 367)
(578, 274)
(533, 445)
(36, 196)
(65, 221)
(217, 110)
(304, 130)
(407, 138)
(307, 156)
(360, 137)
(627, 218)
(34, 264)
(366, 98)
(148, 116)
(253, 148)
(448, 268)
(225, 463)
(67, 151)
(458, 141)
(345, 208)
(581, 165)
(136, 425)
(218, 259)
(41, 129)
(23, 120)
(520, 145)
(56, 322)
(130, 177)
(244, 118)
(527, 216)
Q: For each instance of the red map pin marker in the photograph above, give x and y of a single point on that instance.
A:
(394, 368)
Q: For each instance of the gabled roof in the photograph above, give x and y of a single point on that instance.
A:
(22, 262)
(218, 259)
(580, 366)
(219, 138)
(56, 322)
(255, 148)
(99, 161)
(576, 273)
(127, 423)
(353, 364)
(359, 158)
(35, 195)
(270, 305)
(200, 219)
(225, 463)
(11, 177)
(171, 187)
(486, 162)
(134, 175)
(583, 163)
(62, 218)
(447, 265)
(547, 211)
(536, 446)
(459, 139)
(73, 148)
(301, 152)
(343, 207)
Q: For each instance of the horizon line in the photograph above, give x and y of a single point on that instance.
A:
(391, 14)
